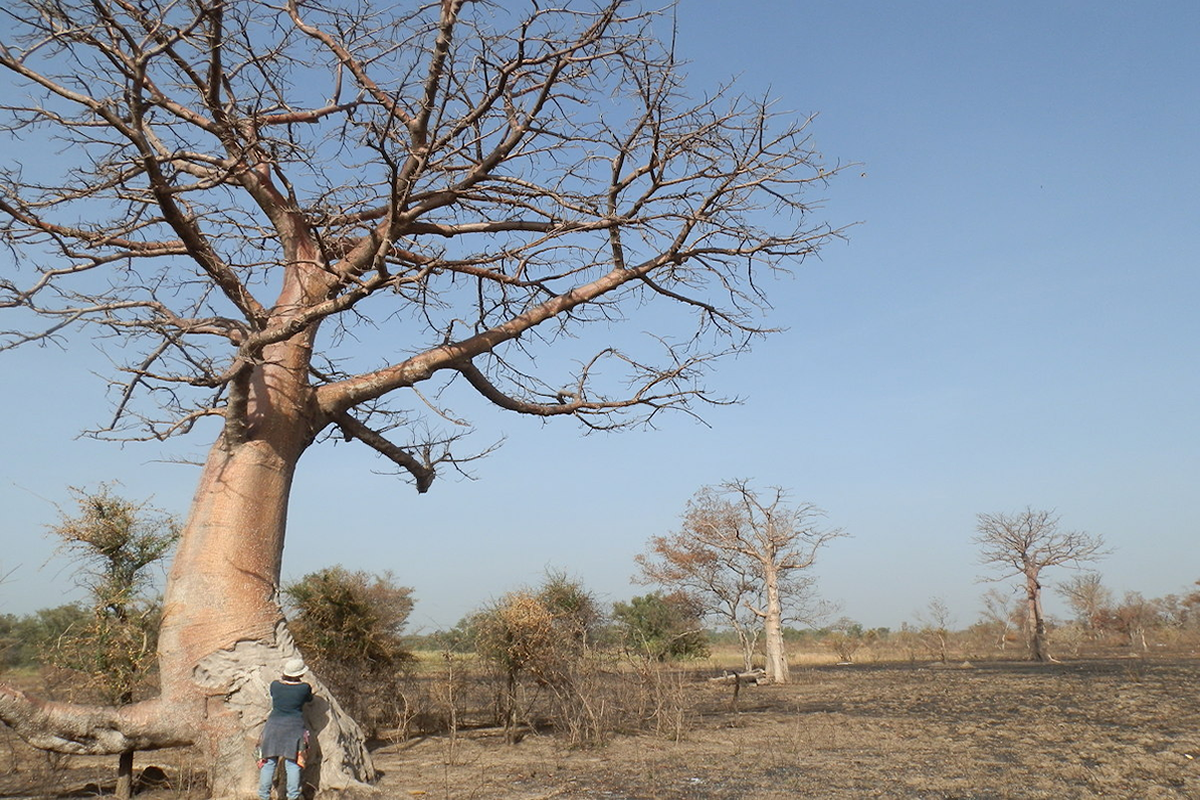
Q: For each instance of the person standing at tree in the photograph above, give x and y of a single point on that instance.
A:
(285, 738)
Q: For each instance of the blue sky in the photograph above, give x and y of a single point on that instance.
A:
(1012, 323)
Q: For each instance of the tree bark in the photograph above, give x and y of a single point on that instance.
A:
(92, 730)
(777, 664)
(223, 636)
(1038, 646)
(508, 710)
(124, 789)
(747, 643)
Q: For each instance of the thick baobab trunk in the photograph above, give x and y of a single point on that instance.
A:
(777, 665)
(223, 638)
(1038, 646)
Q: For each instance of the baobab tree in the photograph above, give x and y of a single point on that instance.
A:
(1023, 545)
(307, 219)
(738, 550)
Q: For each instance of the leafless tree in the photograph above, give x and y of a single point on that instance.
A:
(935, 624)
(846, 637)
(309, 219)
(1179, 611)
(1133, 617)
(738, 545)
(1088, 598)
(999, 614)
(1025, 544)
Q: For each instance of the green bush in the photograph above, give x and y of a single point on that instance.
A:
(662, 626)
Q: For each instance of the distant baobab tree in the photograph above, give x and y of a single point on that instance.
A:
(740, 550)
(1023, 545)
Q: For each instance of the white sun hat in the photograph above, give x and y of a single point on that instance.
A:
(294, 667)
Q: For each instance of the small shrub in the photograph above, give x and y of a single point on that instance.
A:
(349, 625)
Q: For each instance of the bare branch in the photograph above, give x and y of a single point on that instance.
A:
(445, 171)
(422, 472)
(92, 730)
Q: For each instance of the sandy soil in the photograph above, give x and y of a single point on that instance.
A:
(1108, 728)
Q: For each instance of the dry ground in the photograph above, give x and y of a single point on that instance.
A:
(1111, 729)
(1115, 728)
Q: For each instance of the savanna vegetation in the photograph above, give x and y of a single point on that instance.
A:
(534, 681)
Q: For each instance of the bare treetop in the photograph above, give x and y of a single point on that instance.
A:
(1014, 542)
(460, 184)
(740, 550)
(1026, 543)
